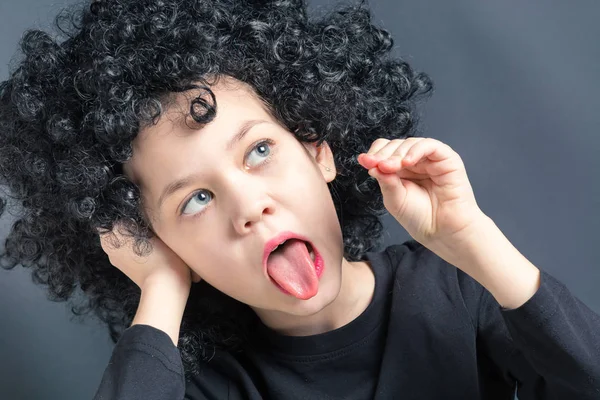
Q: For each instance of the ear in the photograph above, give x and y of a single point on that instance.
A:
(323, 156)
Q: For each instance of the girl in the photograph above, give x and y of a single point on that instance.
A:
(210, 174)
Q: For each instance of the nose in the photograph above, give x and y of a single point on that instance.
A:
(250, 203)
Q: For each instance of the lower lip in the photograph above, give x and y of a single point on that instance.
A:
(318, 263)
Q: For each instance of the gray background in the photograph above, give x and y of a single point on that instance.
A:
(516, 96)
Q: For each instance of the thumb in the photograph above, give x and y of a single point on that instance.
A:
(392, 188)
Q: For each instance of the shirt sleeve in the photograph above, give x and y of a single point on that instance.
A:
(144, 365)
(550, 345)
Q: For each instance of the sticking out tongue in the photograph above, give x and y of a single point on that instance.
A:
(293, 269)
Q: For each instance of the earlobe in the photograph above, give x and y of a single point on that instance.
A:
(324, 157)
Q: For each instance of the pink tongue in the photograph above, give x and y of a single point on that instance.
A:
(293, 269)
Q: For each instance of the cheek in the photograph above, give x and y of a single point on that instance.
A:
(315, 201)
(228, 271)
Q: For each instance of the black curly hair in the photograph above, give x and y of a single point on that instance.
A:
(70, 110)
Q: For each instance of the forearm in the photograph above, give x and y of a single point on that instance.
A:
(161, 306)
(488, 257)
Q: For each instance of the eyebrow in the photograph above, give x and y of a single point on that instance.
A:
(182, 183)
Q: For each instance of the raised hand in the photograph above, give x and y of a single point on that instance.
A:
(425, 187)
(161, 265)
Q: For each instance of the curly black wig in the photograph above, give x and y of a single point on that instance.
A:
(70, 110)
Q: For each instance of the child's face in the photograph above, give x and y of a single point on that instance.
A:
(237, 200)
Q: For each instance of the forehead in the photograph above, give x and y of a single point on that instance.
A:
(175, 133)
(234, 101)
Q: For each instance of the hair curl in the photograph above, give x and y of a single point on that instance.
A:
(70, 110)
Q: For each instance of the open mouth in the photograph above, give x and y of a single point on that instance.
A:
(308, 247)
(294, 266)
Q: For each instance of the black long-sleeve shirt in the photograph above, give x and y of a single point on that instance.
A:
(430, 332)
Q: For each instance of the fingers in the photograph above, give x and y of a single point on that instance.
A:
(433, 149)
(368, 159)
(391, 156)
(437, 158)
(107, 240)
(380, 144)
(122, 251)
(384, 149)
(113, 239)
(118, 246)
(393, 161)
(403, 155)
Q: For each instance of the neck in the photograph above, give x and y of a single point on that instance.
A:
(356, 292)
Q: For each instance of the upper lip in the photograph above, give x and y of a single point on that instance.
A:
(277, 240)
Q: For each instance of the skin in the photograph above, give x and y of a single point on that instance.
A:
(424, 185)
(221, 239)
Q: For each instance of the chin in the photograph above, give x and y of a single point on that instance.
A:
(328, 292)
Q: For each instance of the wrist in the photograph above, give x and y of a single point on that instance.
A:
(492, 260)
(161, 305)
(460, 249)
(167, 282)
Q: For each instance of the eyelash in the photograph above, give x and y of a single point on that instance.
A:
(270, 142)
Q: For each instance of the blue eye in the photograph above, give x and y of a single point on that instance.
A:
(200, 199)
(262, 149)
